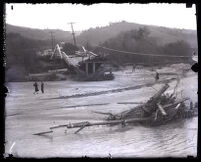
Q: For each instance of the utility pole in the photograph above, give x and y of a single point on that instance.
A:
(52, 39)
(73, 33)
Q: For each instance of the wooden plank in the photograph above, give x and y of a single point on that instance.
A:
(161, 109)
(41, 133)
(177, 106)
(77, 125)
(176, 103)
(130, 102)
(87, 124)
(79, 129)
(160, 92)
(149, 106)
(156, 115)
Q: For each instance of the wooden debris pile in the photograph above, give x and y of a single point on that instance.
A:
(159, 109)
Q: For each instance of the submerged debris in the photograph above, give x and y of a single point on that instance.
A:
(159, 109)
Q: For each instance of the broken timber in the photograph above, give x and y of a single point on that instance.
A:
(82, 125)
(161, 109)
(157, 110)
(150, 105)
(42, 133)
(130, 103)
(145, 109)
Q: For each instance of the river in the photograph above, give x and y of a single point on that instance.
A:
(27, 114)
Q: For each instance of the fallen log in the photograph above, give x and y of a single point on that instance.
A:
(42, 133)
(145, 109)
(87, 124)
(110, 115)
(173, 111)
(159, 93)
(82, 125)
(75, 106)
(177, 106)
(103, 113)
(150, 106)
(156, 115)
(130, 103)
(145, 113)
(175, 103)
(79, 129)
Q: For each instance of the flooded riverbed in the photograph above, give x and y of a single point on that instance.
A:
(27, 114)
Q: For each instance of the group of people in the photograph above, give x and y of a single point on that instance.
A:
(36, 87)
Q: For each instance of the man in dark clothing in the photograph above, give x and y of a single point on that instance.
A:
(42, 87)
(157, 76)
(36, 87)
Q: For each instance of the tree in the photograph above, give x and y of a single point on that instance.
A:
(21, 56)
(180, 48)
(140, 41)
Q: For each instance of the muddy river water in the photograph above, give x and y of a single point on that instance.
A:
(27, 114)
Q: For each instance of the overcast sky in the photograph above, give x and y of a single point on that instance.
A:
(57, 16)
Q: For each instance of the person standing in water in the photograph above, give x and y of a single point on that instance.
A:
(42, 87)
(157, 76)
(36, 87)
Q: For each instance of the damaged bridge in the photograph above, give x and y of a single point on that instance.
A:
(86, 68)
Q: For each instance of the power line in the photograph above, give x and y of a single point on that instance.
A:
(143, 54)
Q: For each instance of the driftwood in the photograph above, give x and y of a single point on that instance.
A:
(82, 125)
(156, 115)
(150, 106)
(42, 133)
(161, 109)
(175, 103)
(145, 109)
(130, 103)
(139, 112)
(158, 109)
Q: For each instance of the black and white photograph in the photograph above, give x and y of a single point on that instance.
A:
(105, 80)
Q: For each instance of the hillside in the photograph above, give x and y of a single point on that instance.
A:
(23, 43)
(39, 34)
(164, 35)
(141, 41)
(99, 35)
